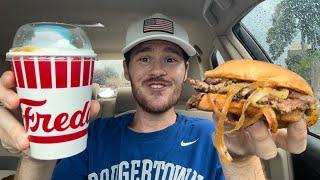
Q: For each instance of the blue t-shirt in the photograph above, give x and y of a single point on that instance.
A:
(183, 150)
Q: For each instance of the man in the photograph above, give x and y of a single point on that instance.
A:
(154, 142)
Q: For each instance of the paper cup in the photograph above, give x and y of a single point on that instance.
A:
(55, 94)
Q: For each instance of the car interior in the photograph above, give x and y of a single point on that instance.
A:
(214, 28)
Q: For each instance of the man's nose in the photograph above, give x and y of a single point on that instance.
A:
(158, 68)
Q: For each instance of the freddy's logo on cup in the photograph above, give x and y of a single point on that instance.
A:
(49, 123)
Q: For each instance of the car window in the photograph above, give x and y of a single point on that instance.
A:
(109, 75)
(217, 59)
(289, 32)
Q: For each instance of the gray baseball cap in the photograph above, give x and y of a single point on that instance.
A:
(158, 27)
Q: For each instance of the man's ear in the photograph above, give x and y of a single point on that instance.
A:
(125, 70)
(186, 73)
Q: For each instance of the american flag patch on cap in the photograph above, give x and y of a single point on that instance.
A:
(158, 24)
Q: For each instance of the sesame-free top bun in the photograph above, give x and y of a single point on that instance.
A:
(253, 70)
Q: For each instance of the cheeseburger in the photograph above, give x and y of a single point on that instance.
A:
(242, 92)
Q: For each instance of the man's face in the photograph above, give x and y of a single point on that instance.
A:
(156, 71)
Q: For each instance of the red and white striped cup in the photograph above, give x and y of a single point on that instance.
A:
(55, 93)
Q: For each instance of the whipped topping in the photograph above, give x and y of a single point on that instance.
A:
(52, 52)
(51, 40)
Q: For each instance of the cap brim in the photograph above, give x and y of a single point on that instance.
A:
(181, 43)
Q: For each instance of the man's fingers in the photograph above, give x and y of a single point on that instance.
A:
(7, 80)
(94, 110)
(262, 143)
(12, 132)
(227, 125)
(294, 138)
(7, 96)
(280, 138)
(297, 137)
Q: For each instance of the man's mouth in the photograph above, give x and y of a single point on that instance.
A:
(156, 86)
(157, 83)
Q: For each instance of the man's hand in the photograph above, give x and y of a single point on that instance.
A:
(258, 140)
(12, 133)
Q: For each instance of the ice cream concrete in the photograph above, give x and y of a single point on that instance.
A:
(53, 66)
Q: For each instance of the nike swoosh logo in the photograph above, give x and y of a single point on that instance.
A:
(188, 143)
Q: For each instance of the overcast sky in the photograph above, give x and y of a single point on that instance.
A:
(259, 20)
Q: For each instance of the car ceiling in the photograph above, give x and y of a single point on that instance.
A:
(116, 15)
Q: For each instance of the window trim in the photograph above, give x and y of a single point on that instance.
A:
(250, 43)
(312, 133)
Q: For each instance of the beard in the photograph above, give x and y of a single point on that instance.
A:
(145, 104)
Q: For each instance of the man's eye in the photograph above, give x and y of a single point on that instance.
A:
(145, 59)
(170, 60)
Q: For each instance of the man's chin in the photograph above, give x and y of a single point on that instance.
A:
(156, 109)
(156, 102)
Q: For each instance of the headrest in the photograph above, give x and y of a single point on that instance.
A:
(125, 100)
(197, 73)
(95, 90)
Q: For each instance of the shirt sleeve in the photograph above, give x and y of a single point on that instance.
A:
(75, 167)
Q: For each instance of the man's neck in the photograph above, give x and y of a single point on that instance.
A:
(147, 122)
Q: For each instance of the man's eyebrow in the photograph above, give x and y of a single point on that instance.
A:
(142, 50)
(173, 50)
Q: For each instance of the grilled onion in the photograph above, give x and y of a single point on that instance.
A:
(264, 110)
(312, 118)
(271, 118)
(219, 139)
